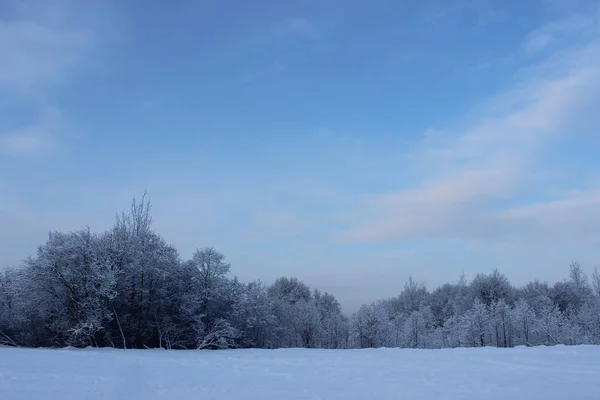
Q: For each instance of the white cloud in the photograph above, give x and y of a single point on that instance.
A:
(473, 174)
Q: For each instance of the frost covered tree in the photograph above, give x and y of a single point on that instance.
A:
(596, 282)
(551, 325)
(285, 293)
(73, 285)
(333, 324)
(305, 318)
(502, 325)
(489, 288)
(372, 326)
(498, 315)
(126, 287)
(11, 316)
(290, 290)
(418, 328)
(443, 303)
(207, 302)
(473, 326)
(307, 323)
(523, 320)
(253, 315)
(412, 297)
(588, 320)
(145, 265)
(536, 294)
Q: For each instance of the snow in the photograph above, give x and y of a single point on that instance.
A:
(559, 372)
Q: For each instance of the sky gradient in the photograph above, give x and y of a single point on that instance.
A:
(347, 143)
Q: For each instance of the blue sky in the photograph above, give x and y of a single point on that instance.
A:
(347, 143)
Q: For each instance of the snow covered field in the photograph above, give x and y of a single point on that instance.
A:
(484, 373)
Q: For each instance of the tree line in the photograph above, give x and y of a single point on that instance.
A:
(128, 288)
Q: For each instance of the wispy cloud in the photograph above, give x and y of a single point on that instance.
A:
(29, 140)
(561, 32)
(34, 138)
(479, 13)
(476, 173)
(280, 224)
(38, 51)
(40, 48)
(577, 214)
(297, 27)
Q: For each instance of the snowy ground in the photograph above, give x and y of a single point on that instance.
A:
(520, 373)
